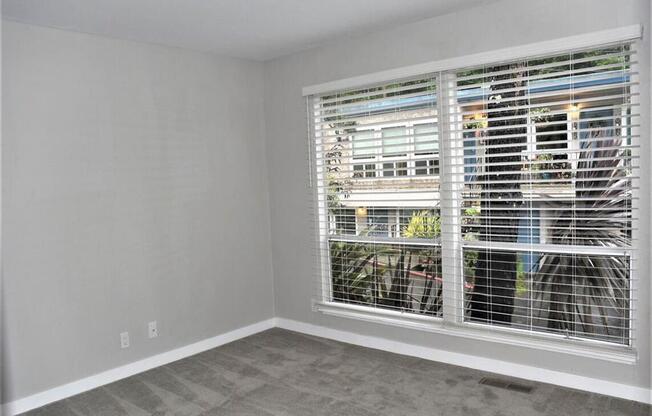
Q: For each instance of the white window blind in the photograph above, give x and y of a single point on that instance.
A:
(503, 195)
(547, 192)
(378, 189)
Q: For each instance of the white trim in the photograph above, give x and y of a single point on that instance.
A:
(509, 336)
(76, 387)
(450, 198)
(592, 385)
(517, 52)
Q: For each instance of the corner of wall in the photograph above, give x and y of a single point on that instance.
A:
(268, 197)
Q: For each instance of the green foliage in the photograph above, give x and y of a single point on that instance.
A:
(472, 211)
(540, 115)
(586, 291)
(521, 279)
(383, 276)
(423, 224)
(475, 76)
(338, 184)
(543, 161)
(601, 56)
(470, 256)
(350, 278)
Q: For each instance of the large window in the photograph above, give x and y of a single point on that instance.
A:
(522, 220)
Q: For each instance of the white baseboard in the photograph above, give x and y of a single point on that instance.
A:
(76, 387)
(485, 364)
(592, 385)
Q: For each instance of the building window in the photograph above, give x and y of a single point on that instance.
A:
(364, 145)
(364, 151)
(345, 223)
(395, 169)
(536, 210)
(426, 143)
(426, 167)
(426, 139)
(396, 144)
(364, 170)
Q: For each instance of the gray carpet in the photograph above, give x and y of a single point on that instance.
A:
(279, 372)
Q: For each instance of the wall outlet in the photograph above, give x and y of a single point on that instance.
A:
(124, 339)
(152, 330)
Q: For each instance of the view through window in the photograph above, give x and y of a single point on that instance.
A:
(540, 157)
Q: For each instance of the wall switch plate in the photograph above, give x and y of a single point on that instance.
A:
(152, 330)
(124, 339)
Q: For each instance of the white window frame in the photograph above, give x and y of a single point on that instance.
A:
(452, 322)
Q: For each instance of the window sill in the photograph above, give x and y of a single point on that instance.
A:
(514, 337)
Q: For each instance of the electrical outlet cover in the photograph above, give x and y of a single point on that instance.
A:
(124, 339)
(152, 329)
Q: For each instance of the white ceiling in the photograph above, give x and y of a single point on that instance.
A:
(255, 29)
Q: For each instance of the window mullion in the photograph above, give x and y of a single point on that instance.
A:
(452, 175)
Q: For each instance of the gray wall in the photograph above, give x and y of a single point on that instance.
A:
(506, 23)
(134, 189)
